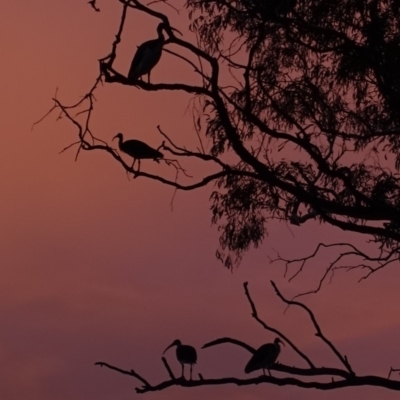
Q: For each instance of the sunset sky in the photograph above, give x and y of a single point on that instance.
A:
(96, 267)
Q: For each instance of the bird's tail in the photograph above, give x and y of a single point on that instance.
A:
(248, 369)
(133, 75)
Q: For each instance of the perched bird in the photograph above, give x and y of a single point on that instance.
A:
(137, 150)
(264, 357)
(147, 55)
(185, 354)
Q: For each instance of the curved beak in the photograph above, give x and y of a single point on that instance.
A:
(172, 344)
(282, 342)
(114, 137)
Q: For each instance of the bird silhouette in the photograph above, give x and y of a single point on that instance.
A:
(264, 357)
(147, 55)
(185, 354)
(137, 149)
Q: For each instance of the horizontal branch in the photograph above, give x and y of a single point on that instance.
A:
(281, 367)
(340, 384)
(112, 76)
(354, 381)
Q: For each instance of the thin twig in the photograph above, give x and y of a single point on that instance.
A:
(168, 368)
(122, 371)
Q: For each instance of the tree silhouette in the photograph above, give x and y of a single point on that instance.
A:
(307, 128)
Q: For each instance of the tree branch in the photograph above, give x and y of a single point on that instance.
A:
(343, 359)
(263, 379)
(269, 328)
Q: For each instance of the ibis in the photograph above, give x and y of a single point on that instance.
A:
(147, 55)
(264, 357)
(137, 149)
(185, 354)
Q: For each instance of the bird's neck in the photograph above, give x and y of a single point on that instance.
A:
(161, 35)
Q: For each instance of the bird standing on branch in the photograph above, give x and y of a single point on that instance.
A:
(185, 355)
(148, 54)
(264, 357)
(137, 150)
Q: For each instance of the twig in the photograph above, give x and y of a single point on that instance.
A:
(393, 370)
(122, 371)
(168, 368)
(93, 5)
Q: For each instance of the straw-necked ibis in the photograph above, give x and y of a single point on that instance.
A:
(137, 149)
(264, 357)
(185, 354)
(147, 55)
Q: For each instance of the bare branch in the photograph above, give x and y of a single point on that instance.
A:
(122, 371)
(393, 370)
(230, 340)
(167, 367)
(343, 359)
(269, 328)
(332, 384)
(93, 4)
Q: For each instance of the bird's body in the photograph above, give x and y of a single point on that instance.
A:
(147, 56)
(137, 149)
(185, 354)
(264, 357)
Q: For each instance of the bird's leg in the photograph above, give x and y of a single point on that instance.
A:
(148, 77)
(183, 376)
(264, 371)
(191, 368)
(138, 165)
(269, 372)
(133, 164)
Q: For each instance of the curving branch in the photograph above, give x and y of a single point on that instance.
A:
(360, 261)
(93, 4)
(323, 378)
(232, 341)
(271, 329)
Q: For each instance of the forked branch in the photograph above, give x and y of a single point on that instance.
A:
(325, 378)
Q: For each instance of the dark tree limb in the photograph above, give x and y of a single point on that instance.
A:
(271, 329)
(125, 372)
(280, 367)
(354, 381)
(343, 359)
(232, 341)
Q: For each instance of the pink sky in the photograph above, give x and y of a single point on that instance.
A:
(98, 268)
